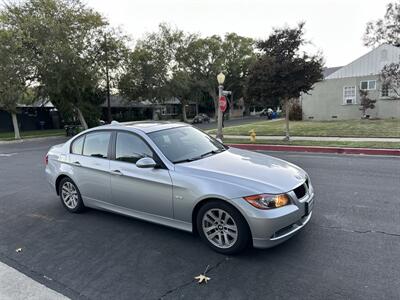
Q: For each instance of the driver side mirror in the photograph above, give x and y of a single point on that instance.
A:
(146, 162)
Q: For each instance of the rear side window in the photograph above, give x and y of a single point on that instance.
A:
(96, 144)
(77, 145)
(131, 148)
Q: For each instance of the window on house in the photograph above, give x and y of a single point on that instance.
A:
(368, 85)
(385, 90)
(349, 95)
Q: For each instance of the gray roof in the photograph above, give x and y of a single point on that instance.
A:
(328, 71)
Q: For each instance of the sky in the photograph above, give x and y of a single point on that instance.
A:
(334, 27)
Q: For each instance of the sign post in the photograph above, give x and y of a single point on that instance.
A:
(222, 103)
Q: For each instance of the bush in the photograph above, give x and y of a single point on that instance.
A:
(296, 112)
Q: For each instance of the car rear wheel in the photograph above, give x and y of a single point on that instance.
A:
(222, 227)
(70, 196)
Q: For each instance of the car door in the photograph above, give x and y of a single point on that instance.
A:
(147, 190)
(89, 158)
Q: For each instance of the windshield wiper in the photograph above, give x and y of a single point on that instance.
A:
(200, 156)
(186, 160)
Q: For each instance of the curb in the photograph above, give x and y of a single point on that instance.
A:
(317, 149)
(31, 139)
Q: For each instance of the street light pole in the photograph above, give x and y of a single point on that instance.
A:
(220, 79)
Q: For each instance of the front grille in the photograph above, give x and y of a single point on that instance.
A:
(300, 191)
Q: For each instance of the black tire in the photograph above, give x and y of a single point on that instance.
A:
(79, 207)
(243, 232)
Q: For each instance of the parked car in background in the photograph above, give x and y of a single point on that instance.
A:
(201, 118)
(175, 175)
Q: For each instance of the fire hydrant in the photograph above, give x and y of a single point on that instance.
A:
(252, 135)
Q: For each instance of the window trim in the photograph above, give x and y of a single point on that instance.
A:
(355, 95)
(367, 81)
(387, 88)
(113, 151)
(84, 141)
(74, 141)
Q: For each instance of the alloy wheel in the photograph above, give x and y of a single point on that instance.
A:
(219, 228)
(69, 195)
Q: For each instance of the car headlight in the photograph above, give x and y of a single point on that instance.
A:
(266, 201)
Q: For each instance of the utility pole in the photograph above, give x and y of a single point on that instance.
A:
(109, 119)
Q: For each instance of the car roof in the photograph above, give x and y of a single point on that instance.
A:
(145, 126)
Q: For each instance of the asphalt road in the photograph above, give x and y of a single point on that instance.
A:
(349, 250)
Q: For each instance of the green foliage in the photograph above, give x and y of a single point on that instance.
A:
(296, 111)
(14, 70)
(366, 102)
(386, 30)
(64, 43)
(282, 72)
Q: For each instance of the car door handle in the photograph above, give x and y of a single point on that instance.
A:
(116, 172)
(77, 163)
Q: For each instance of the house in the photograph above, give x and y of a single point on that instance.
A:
(35, 116)
(338, 95)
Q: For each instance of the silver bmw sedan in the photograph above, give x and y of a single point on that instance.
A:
(175, 175)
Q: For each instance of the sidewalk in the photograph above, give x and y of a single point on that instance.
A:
(315, 138)
(15, 285)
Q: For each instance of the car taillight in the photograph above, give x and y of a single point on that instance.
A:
(46, 160)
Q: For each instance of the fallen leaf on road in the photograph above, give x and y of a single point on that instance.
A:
(202, 278)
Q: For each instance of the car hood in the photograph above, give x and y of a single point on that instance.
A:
(251, 170)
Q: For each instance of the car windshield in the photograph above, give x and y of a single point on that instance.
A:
(183, 144)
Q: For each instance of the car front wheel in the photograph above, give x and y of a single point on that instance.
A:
(222, 227)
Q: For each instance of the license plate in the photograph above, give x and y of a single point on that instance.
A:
(309, 206)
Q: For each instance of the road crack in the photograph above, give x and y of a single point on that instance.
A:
(361, 231)
(211, 268)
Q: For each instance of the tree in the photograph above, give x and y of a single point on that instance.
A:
(282, 72)
(238, 56)
(386, 30)
(366, 102)
(390, 78)
(148, 68)
(61, 38)
(14, 74)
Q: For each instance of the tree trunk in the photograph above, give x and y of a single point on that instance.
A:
(81, 119)
(287, 108)
(15, 125)
(184, 117)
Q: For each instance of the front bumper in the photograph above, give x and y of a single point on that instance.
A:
(272, 227)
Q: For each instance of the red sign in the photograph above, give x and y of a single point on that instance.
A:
(222, 103)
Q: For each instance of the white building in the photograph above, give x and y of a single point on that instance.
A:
(338, 95)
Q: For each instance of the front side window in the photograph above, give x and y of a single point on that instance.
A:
(349, 95)
(368, 85)
(130, 148)
(96, 144)
(77, 145)
(183, 144)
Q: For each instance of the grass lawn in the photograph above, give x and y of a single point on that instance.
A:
(381, 145)
(8, 136)
(342, 128)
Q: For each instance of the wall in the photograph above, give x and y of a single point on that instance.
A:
(325, 101)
